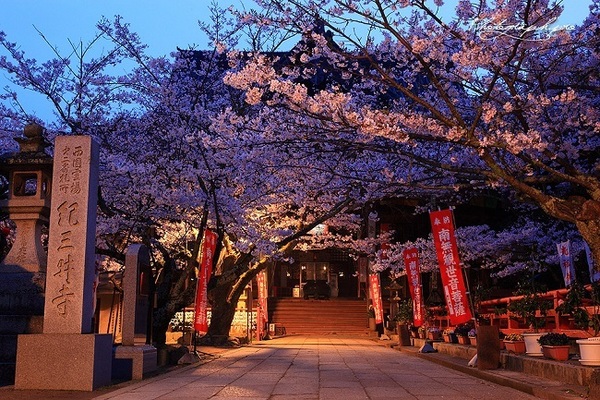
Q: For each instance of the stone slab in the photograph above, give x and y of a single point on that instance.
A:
(133, 362)
(63, 361)
(488, 347)
(69, 303)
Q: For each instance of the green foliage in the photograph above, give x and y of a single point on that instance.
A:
(463, 330)
(594, 322)
(405, 312)
(532, 307)
(553, 339)
(573, 305)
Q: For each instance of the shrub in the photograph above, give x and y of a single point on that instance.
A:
(553, 339)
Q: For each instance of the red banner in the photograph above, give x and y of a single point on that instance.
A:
(375, 288)
(447, 253)
(262, 314)
(413, 273)
(209, 244)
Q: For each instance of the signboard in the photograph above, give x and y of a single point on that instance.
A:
(375, 288)
(261, 280)
(452, 279)
(209, 244)
(413, 273)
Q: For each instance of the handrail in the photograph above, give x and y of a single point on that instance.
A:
(510, 323)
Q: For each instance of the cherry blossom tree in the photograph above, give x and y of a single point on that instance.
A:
(181, 152)
(496, 96)
(503, 252)
(263, 146)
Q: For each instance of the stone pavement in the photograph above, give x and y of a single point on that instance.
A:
(307, 368)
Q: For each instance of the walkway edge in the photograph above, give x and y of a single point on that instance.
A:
(128, 386)
(539, 387)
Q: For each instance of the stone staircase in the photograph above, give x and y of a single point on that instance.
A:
(344, 317)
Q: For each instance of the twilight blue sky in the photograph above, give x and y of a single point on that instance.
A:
(163, 24)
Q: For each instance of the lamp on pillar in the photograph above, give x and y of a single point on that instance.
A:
(394, 288)
(29, 174)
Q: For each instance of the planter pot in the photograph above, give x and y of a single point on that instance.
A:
(434, 335)
(463, 340)
(558, 353)
(517, 346)
(533, 348)
(589, 351)
(473, 340)
(422, 335)
(450, 338)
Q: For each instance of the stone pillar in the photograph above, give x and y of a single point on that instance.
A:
(135, 301)
(71, 243)
(488, 347)
(73, 357)
(132, 361)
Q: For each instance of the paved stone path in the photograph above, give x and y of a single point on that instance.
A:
(305, 368)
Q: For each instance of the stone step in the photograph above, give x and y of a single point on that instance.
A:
(333, 316)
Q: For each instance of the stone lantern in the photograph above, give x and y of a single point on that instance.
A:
(23, 271)
(394, 288)
(29, 173)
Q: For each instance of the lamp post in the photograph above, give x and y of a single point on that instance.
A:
(29, 173)
(394, 288)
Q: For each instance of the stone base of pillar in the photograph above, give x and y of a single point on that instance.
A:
(55, 361)
(133, 362)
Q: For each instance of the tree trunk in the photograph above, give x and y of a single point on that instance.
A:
(590, 231)
(224, 298)
(173, 294)
(222, 313)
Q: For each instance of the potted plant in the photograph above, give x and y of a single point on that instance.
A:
(450, 336)
(532, 308)
(472, 337)
(403, 318)
(434, 333)
(422, 332)
(514, 343)
(589, 349)
(555, 346)
(462, 333)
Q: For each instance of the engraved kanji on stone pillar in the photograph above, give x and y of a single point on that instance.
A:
(71, 272)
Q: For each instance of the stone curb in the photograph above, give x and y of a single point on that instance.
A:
(535, 386)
